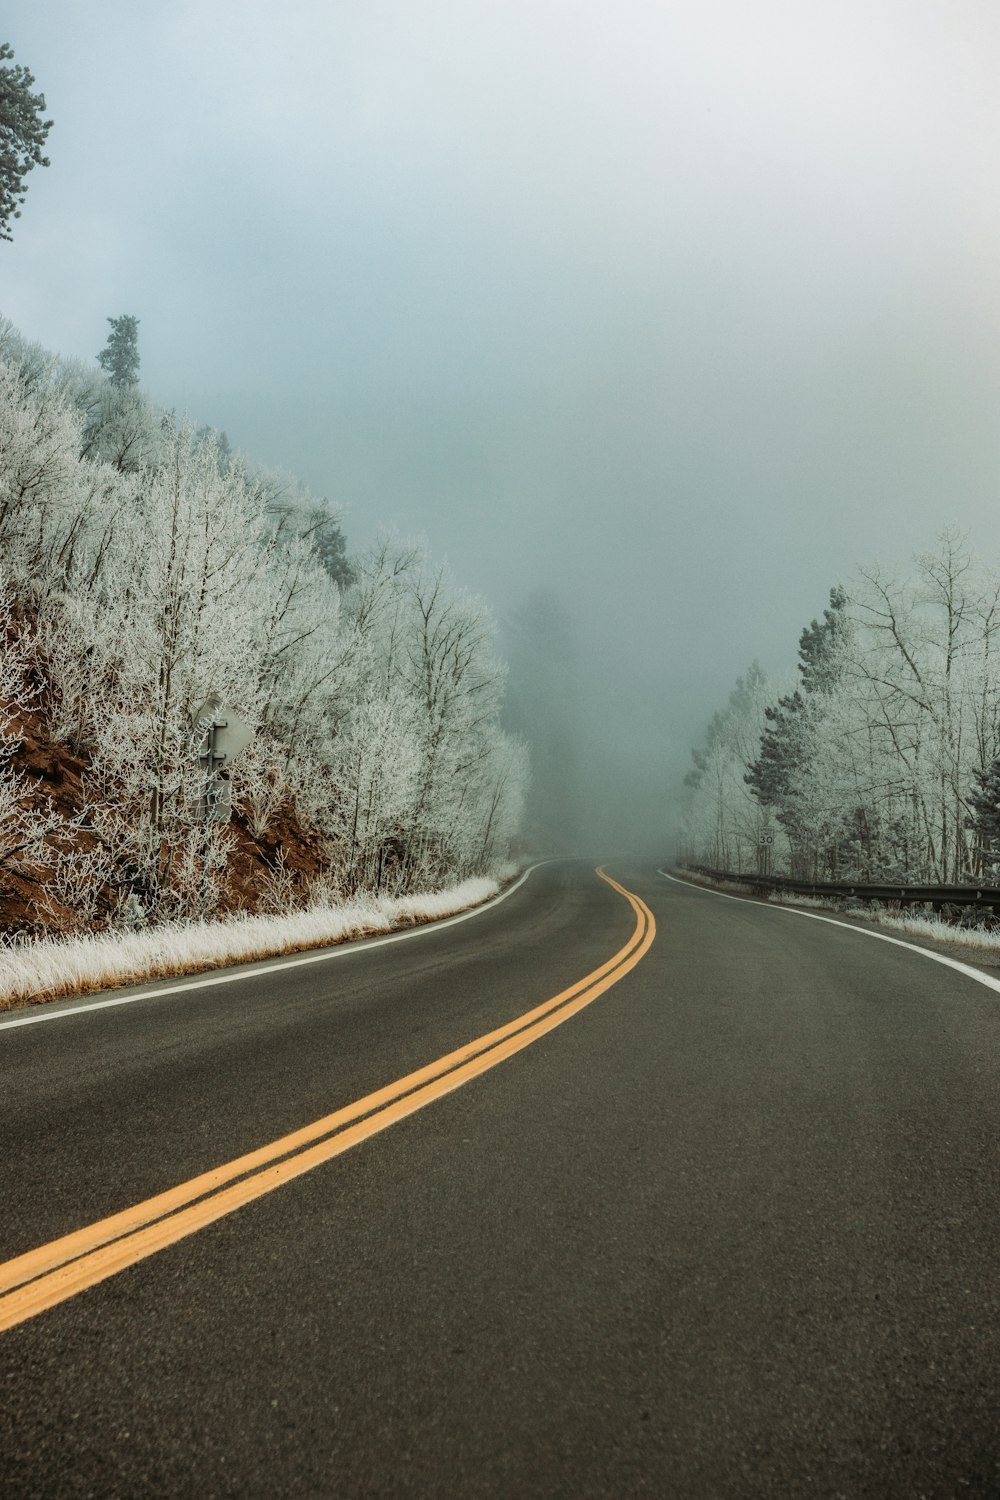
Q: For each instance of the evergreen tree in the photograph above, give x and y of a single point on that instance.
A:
(785, 742)
(120, 355)
(819, 645)
(296, 516)
(985, 801)
(22, 136)
(330, 548)
(771, 774)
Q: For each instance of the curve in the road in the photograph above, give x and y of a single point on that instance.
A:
(883, 937)
(52, 1273)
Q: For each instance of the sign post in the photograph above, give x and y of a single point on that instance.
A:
(225, 734)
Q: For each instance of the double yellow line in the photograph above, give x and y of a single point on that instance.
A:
(38, 1280)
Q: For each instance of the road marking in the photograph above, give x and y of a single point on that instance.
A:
(341, 949)
(44, 1277)
(882, 937)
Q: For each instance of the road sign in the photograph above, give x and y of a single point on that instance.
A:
(226, 734)
(766, 840)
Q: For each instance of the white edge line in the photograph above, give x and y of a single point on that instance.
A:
(334, 950)
(882, 937)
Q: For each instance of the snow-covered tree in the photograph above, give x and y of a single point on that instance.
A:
(22, 135)
(120, 356)
(879, 763)
(376, 767)
(926, 672)
(185, 610)
(39, 475)
(779, 776)
(30, 827)
(724, 823)
(156, 570)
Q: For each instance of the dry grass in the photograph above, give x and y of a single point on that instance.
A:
(941, 932)
(931, 928)
(50, 967)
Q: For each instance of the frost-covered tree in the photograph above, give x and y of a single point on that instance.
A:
(30, 827)
(45, 496)
(880, 764)
(456, 684)
(23, 132)
(155, 570)
(330, 546)
(984, 800)
(294, 514)
(376, 769)
(781, 769)
(162, 614)
(430, 650)
(122, 428)
(120, 355)
(506, 782)
(925, 675)
(724, 822)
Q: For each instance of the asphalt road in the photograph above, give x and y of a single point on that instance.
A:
(731, 1230)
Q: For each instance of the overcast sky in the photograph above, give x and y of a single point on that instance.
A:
(681, 309)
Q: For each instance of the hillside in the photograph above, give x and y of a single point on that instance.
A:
(147, 568)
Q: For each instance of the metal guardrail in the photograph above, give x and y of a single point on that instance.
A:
(979, 897)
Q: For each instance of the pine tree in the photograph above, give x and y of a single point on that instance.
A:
(985, 800)
(785, 742)
(330, 548)
(120, 355)
(819, 666)
(22, 136)
(771, 774)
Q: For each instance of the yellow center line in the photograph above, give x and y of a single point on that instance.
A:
(54, 1272)
(25, 1267)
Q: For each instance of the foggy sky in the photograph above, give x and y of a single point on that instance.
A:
(681, 309)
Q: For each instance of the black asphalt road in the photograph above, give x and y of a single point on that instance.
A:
(731, 1231)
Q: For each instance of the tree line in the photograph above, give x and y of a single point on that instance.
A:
(146, 567)
(881, 761)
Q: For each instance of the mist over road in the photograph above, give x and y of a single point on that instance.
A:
(730, 1230)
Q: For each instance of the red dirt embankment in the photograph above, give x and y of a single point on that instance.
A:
(55, 778)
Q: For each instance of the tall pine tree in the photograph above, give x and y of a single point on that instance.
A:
(784, 743)
(985, 800)
(22, 136)
(120, 355)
